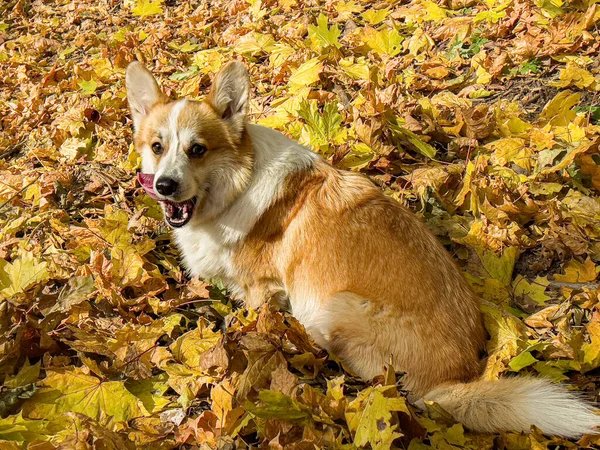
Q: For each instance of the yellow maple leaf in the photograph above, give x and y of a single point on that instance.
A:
(558, 111)
(190, 347)
(573, 75)
(576, 272)
(369, 416)
(357, 70)
(21, 274)
(71, 389)
(306, 74)
(385, 42)
(511, 150)
(127, 266)
(145, 8)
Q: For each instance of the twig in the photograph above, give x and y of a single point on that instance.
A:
(18, 193)
(11, 150)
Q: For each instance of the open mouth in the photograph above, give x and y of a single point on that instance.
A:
(177, 214)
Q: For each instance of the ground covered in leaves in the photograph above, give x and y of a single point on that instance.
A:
(481, 116)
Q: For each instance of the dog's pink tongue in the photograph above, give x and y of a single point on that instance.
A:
(147, 182)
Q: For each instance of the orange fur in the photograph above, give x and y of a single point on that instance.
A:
(366, 278)
(336, 232)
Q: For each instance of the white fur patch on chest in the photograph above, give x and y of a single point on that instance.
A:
(207, 248)
(203, 251)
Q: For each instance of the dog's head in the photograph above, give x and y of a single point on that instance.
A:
(196, 156)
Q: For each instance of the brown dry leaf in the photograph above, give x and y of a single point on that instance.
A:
(482, 116)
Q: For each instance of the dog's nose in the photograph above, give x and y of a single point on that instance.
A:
(166, 186)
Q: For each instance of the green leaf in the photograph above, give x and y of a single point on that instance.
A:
(324, 129)
(524, 359)
(322, 35)
(88, 87)
(360, 156)
(186, 47)
(145, 8)
(406, 136)
(277, 405)
(70, 389)
(20, 430)
(27, 375)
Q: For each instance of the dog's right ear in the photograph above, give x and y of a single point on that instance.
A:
(143, 92)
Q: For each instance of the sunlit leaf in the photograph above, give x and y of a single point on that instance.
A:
(145, 8)
(323, 34)
(306, 74)
(370, 417)
(386, 41)
(72, 390)
(20, 275)
(88, 87)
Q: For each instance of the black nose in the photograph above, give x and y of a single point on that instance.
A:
(166, 186)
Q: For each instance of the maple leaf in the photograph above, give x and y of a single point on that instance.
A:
(576, 272)
(88, 87)
(19, 430)
(306, 74)
(20, 275)
(276, 405)
(27, 375)
(190, 347)
(323, 129)
(376, 16)
(73, 390)
(508, 338)
(145, 8)
(322, 35)
(386, 41)
(370, 417)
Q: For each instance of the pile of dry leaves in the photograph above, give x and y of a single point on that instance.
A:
(480, 115)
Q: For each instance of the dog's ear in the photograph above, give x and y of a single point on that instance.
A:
(229, 95)
(143, 92)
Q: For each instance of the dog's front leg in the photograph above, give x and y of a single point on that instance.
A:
(261, 292)
(256, 295)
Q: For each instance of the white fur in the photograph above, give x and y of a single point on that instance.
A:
(275, 158)
(175, 163)
(142, 92)
(148, 161)
(307, 307)
(207, 247)
(516, 404)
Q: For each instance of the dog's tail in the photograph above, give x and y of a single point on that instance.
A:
(516, 404)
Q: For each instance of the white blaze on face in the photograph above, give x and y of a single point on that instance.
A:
(148, 161)
(175, 163)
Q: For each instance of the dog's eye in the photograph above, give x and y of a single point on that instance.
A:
(157, 148)
(197, 150)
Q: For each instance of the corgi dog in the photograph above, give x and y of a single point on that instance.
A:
(365, 277)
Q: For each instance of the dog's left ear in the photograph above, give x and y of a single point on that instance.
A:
(143, 92)
(229, 95)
